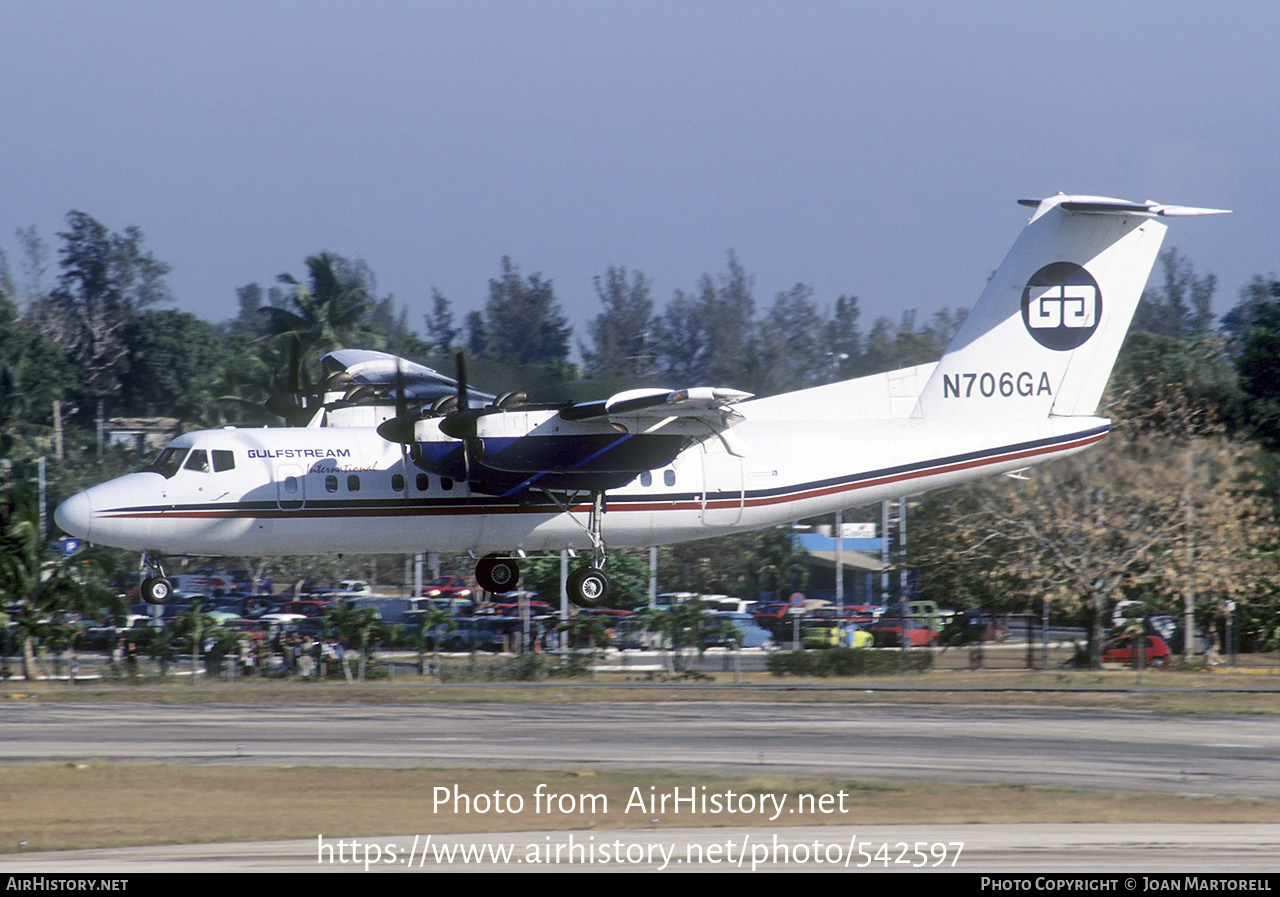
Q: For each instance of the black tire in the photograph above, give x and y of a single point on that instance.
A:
(588, 587)
(497, 574)
(156, 590)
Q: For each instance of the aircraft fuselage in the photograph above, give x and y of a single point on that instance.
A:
(283, 491)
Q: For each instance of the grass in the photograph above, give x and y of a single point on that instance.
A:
(58, 806)
(63, 806)
(1192, 692)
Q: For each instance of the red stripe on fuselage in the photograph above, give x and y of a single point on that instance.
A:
(799, 494)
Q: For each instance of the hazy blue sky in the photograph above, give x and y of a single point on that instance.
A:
(871, 148)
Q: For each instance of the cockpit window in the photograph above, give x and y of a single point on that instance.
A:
(223, 460)
(199, 460)
(168, 463)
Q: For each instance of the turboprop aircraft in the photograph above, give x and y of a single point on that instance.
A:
(496, 477)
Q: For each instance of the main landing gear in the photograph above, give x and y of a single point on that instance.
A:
(587, 586)
(155, 588)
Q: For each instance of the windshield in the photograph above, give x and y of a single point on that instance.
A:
(168, 463)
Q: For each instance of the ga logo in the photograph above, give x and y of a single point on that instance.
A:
(1061, 306)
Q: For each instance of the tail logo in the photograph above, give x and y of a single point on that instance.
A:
(1061, 306)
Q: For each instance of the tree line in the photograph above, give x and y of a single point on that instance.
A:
(1180, 502)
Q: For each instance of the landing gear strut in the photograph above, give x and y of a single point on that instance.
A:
(589, 586)
(155, 588)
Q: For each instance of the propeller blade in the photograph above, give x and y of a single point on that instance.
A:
(401, 427)
(402, 408)
(463, 403)
(402, 403)
(292, 403)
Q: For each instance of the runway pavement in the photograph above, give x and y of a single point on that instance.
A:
(1072, 748)
(1239, 851)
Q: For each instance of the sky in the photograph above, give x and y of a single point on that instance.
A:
(869, 148)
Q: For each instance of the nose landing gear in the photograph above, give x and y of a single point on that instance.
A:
(155, 588)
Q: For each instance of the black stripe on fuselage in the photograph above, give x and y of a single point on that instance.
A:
(475, 503)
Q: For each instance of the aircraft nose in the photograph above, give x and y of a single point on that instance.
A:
(75, 515)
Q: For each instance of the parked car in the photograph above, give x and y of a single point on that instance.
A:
(834, 633)
(968, 628)
(300, 608)
(1122, 650)
(750, 633)
(630, 634)
(917, 621)
(447, 587)
(480, 634)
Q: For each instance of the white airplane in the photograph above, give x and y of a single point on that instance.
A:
(1019, 385)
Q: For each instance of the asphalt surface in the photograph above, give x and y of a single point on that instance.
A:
(1072, 748)
(1085, 749)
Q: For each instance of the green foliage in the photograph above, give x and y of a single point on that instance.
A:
(623, 331)
(628, 577)
(1181, 306)
(522, 319)
(172, 356)
(329, 310)
(848, 662)
(192, 628)
(1259, 367)
(1175, 386)
(706, 337)
(107, 280)
(33, 372)
(359, 627)
(525, 668)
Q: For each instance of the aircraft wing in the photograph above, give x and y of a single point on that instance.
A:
(589, 445)
(357, 368)
(710, 405)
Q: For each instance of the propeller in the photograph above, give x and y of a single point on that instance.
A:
(294, 404)
(458, 418)
(401, 427)
(402, 411)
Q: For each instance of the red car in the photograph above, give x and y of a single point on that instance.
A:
(1121, 650)
(306, 608)
(447, 587)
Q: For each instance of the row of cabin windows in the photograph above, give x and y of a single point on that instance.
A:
(422, 482)
(668, 478)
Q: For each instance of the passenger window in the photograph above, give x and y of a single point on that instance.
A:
(423, 482)
(330, 484)
(353, 483)
(397, 482)
(223, 460)
(646, 479)
(198, 460)
(446, 484)
(669, 477)
(291, 485)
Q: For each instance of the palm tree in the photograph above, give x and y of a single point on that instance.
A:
(435, 621)
(329, 310)
(41, 588)
(360, 627)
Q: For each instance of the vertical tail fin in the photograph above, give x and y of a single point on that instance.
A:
(1043, 336)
